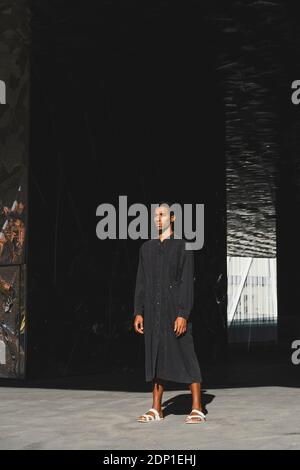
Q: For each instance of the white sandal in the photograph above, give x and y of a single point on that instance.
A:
(195, 418)
(156, 416)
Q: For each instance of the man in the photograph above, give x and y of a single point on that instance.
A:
(162, 306)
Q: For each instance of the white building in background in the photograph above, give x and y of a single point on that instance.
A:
(252, 296)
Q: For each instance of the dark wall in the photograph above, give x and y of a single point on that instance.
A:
(125, 100)
(14, 129)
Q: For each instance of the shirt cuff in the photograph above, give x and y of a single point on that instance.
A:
(184, 314)
(138, 312)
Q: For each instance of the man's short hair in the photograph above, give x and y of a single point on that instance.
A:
(166, 203)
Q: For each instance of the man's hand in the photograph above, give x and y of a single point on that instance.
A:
(180, 326)
(139, 324)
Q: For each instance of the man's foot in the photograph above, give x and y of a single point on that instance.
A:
(152, 415)
(195, 416)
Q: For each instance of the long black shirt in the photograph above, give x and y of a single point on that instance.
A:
(164, 291)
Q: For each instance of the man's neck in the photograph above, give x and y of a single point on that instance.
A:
(166, 234)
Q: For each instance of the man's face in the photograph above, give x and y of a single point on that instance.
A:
(162, 218)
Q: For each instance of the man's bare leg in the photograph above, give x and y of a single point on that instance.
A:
(196, 395)
(157, 392)
(196, 399)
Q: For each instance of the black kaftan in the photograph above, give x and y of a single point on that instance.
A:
(164, 290)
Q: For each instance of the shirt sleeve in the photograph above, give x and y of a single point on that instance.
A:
(139, 296)
(186, 285)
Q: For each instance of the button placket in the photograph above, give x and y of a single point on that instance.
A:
(158, 286)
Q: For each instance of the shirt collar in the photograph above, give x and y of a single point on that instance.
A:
(171, 237)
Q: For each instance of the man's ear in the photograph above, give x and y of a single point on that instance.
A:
(173, 218)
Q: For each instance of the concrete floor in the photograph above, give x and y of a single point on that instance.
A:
(238, 418)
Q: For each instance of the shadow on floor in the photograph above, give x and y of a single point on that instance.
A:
(181, 404)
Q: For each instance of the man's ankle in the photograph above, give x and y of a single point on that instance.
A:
(158, 408)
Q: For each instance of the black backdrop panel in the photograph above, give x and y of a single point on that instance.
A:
(124, 102)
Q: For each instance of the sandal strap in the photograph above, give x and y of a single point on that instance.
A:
(199, 414)
(156, 413)
(148, 417)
